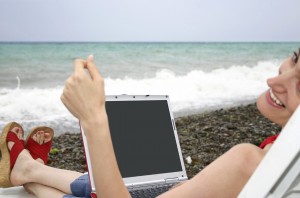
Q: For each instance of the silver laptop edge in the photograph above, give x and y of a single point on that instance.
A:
(140, 182)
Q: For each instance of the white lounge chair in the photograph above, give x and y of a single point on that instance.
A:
(277, 176)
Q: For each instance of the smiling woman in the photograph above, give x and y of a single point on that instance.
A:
(283, 97)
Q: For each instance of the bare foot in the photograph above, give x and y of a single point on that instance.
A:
(19, 133)
(23, 163)
(41, 138)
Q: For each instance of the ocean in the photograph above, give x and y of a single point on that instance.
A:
(198, 77)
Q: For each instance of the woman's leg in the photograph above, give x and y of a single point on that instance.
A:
(28, 170)
(42, 191)
(38, 173)
(225, 177)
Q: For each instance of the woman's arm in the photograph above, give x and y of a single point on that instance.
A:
(84, 97)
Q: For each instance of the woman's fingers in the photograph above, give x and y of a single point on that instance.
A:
(93, 71)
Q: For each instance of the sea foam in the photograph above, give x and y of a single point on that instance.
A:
(198, 90)
(194, 92)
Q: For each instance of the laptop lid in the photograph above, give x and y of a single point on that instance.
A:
(278, 173)
(145, 140)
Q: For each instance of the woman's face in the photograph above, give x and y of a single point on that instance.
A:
(280, 101)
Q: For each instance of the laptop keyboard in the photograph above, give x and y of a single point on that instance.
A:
(150, 192)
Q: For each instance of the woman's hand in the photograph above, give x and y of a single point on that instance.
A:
(83, 94)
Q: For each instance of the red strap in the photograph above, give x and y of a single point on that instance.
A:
(269, 140)
(17, 148)
(39, 150)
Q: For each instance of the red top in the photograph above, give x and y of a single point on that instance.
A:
(268, 140)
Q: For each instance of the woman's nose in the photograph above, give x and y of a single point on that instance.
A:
(277, 84)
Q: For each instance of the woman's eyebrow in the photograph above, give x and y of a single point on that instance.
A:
(297, 67)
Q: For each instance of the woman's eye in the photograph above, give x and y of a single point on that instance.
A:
(295, 58)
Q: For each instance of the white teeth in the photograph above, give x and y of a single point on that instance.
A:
(275, 99)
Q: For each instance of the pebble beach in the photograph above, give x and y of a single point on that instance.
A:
(203, 137)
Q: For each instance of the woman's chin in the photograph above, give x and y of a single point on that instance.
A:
(264, 108)
(261, 103)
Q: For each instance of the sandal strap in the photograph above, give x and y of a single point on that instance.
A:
(17, 148)
(39, 150)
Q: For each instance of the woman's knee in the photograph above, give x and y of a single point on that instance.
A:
(246, 157)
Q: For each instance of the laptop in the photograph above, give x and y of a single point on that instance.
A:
(145, 142)
(278, 174)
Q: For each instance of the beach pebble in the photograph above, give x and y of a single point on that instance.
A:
(189, 160)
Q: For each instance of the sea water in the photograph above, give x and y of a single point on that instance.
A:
(197, 76)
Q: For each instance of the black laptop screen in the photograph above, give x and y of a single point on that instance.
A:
(143, 137)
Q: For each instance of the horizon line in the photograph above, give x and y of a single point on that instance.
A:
(145, 42)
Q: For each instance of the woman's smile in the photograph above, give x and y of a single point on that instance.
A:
(273, 100)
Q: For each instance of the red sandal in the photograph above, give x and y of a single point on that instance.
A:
(39, 150)
(9, 157)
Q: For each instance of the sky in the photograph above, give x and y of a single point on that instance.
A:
(149, 20)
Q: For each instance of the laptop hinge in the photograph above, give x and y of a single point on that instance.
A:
(171, 180)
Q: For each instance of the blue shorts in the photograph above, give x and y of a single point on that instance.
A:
(81, 187)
